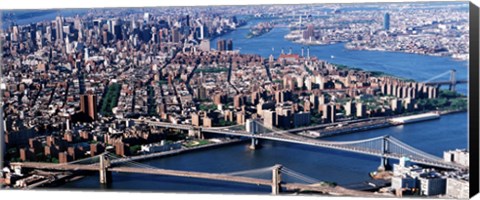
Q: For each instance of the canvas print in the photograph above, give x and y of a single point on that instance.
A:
(366, 99)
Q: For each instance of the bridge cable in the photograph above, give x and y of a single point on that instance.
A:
(413, 150)
(437, 76)
(81, 160)
(132, 163)
(252, 171)
(299, 175)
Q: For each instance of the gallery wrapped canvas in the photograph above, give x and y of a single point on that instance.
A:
(355, 99)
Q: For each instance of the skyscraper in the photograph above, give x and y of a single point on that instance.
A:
(202, 31)
(309, 34)
(86, 54)
(88, 105)
(349, 108)
(229, 45)
(77, 23)
(175, 35)
(205, 45)
(59, 29)
(386, 21)
(221, 45)
(329, 113)
(361, 110)
(269, 119)
(15, 34)
(146, 17)
(105, 37)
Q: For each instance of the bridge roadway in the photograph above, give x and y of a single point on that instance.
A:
(446, 82)
(189, 127)
(189, 174)
(337, 190)
(334, 145)
(283, 137)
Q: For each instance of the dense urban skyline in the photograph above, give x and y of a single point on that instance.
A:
(82, 85)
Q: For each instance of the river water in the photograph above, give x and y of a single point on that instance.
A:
(436, 136)
(406, 65)
(448, 132)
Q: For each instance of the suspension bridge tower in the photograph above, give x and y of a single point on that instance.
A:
(384, 164)
(276, 179)
(252, 127)
(453, 80)
(196, 132)
(105, 175)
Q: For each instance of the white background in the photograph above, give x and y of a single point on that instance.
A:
(84, 195)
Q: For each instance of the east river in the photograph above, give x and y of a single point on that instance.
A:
(448, 132)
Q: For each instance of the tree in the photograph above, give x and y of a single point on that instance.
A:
(135, 148)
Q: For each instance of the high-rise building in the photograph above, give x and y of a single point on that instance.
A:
(269, 118)
(301, 119)
(195, 119)
(228, 115)
(59, 29)
(146, 17)
(432, 92)
(219, 98)
(408, 104)
(386, 21)
(229, 45)
(175, 35)
(221, 45)
(361, 110)
(307, 106)
(432, 185)
(77, 23)
(315, 101)
(205, 45)
(117, 29)
(199, 30)
(395, 104)
(48, 33)
(349, 108)
(201, 92)
(457, 156)
(105, 37)
(15, 34)
(62, 157)
(207, 122)
(329, 113)
(121, 149)
(457, 188)
(240, 118)
(68, 46)
(88, 105)
(238, 101)
(86, 55)
(309, 34)
(66, 30)
(282, 96)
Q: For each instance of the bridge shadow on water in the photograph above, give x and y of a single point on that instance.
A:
(156, 183)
